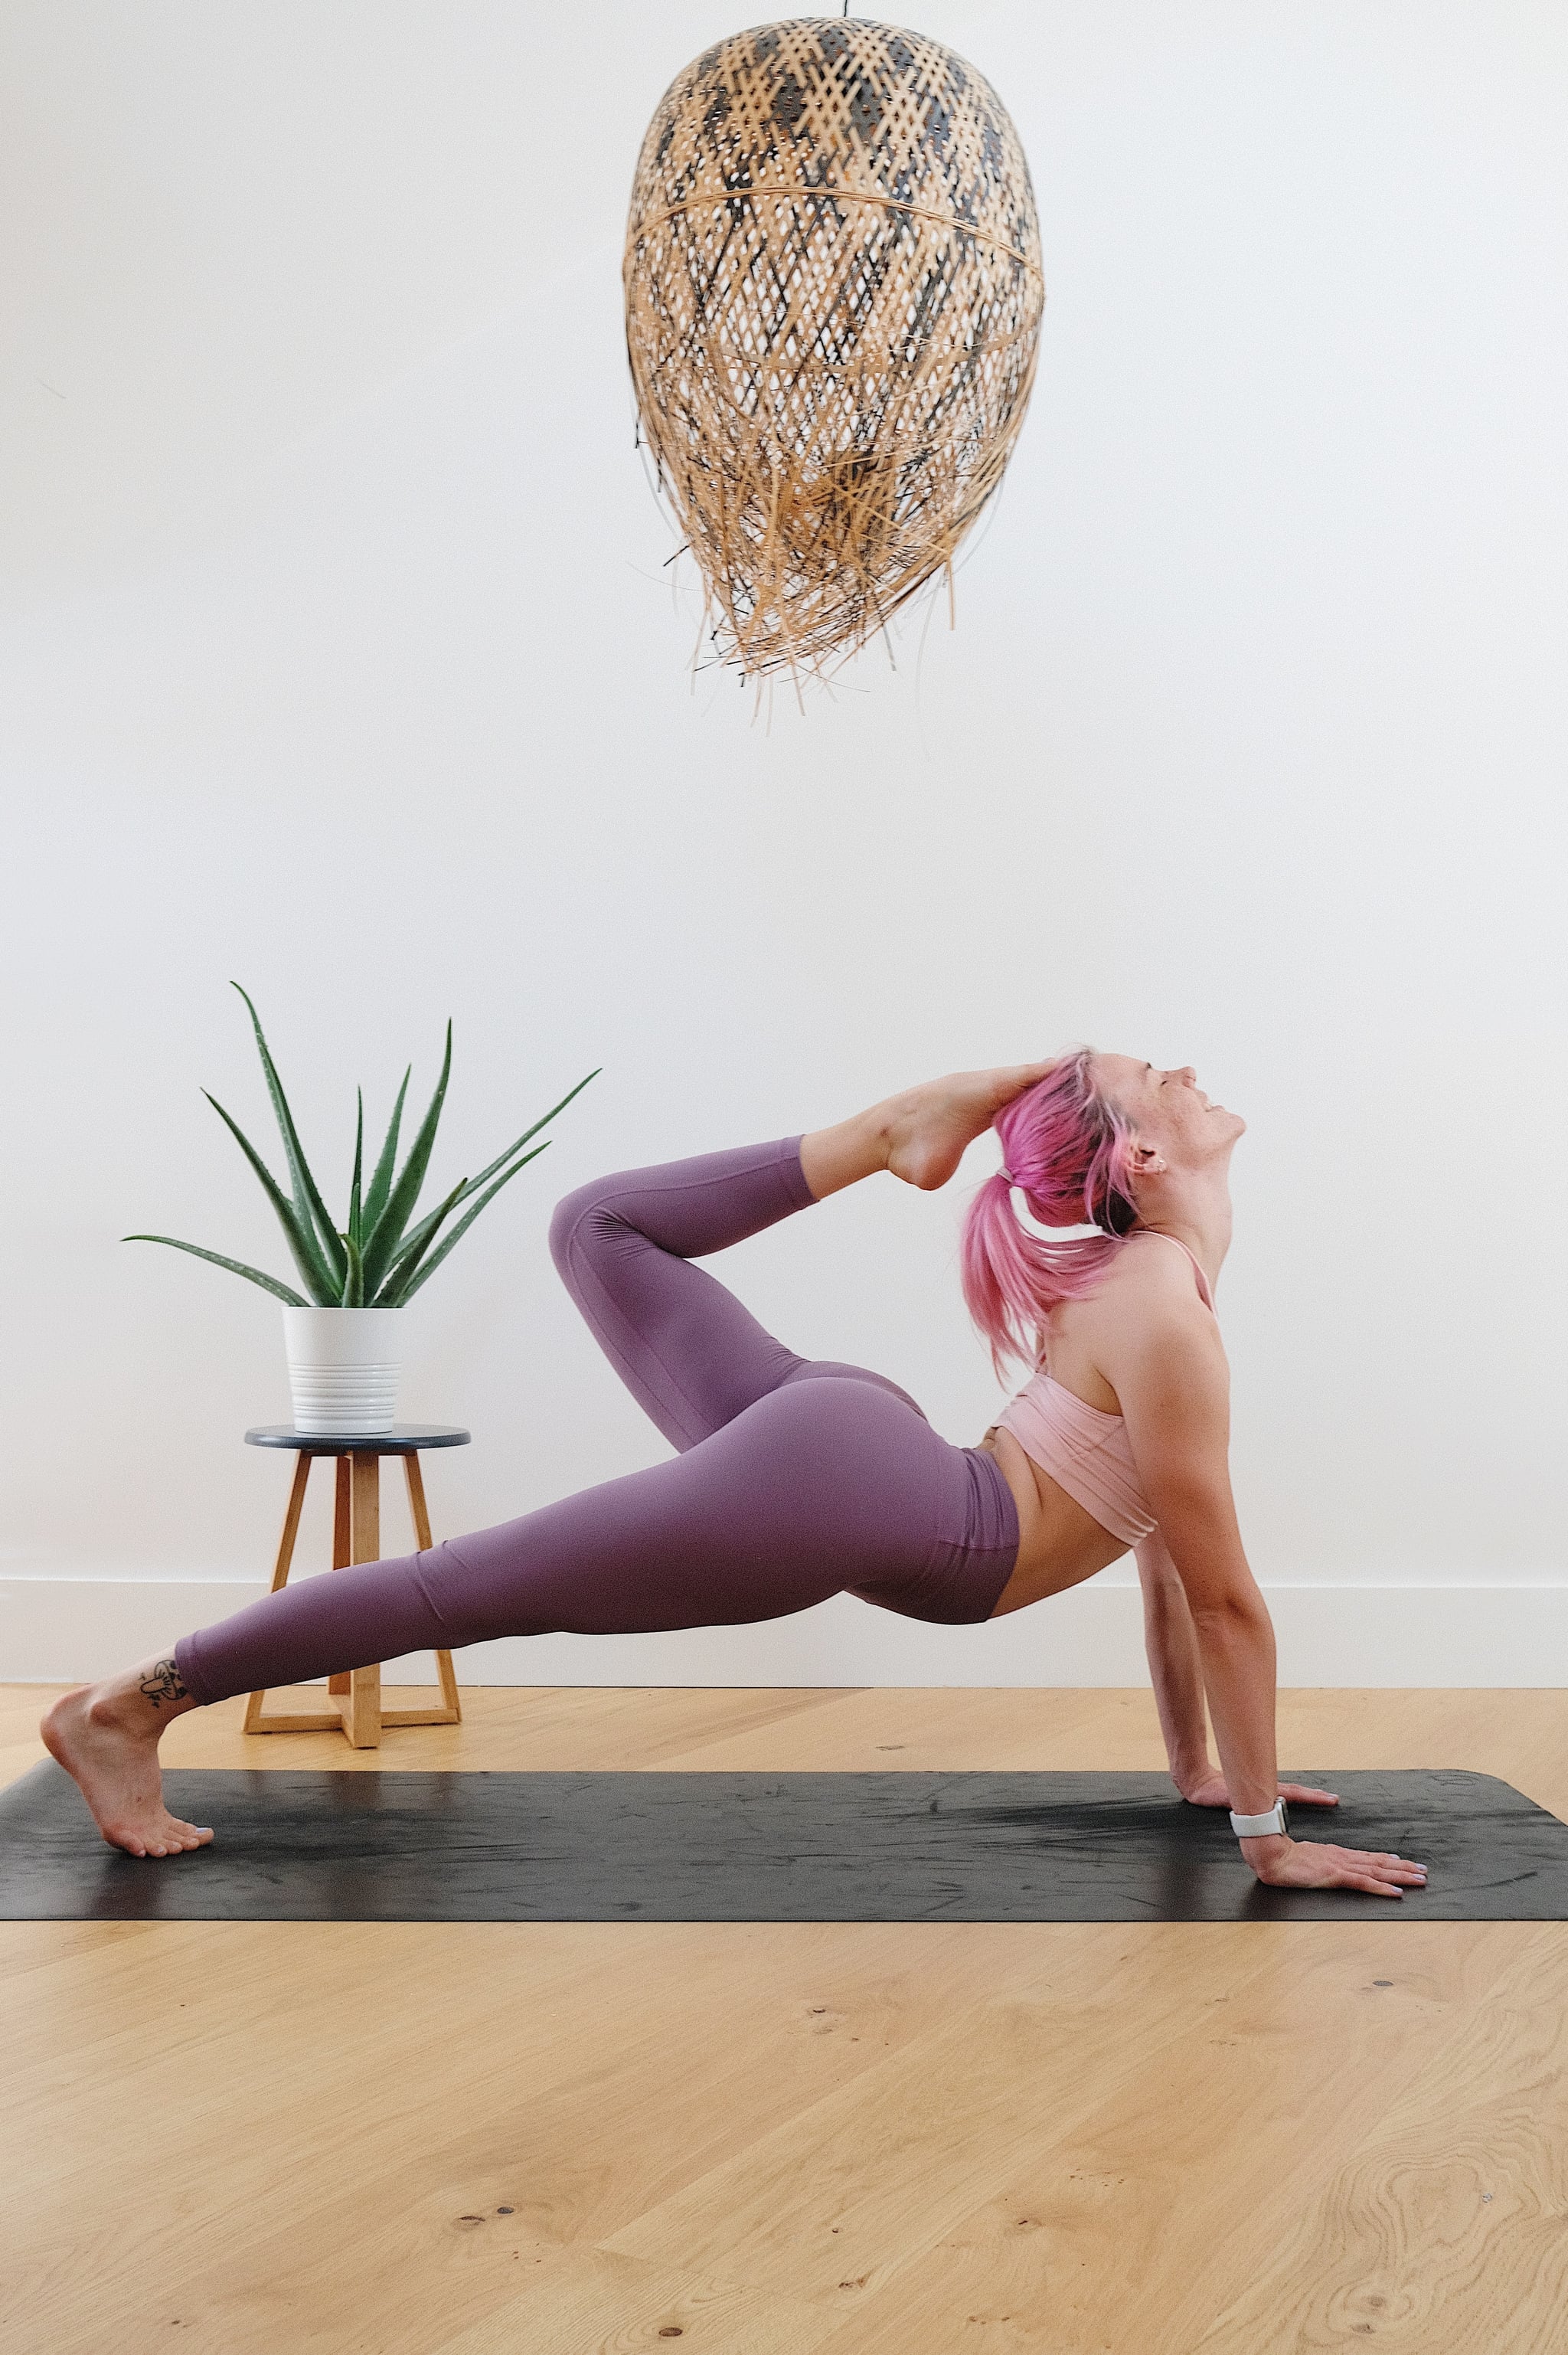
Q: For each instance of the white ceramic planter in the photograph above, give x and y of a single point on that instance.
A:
(343, 1365)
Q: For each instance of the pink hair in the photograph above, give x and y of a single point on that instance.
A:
(1066, 1148)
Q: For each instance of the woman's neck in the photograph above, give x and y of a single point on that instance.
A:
(1195, 1208)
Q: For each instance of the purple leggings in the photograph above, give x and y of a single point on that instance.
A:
(797, 1478)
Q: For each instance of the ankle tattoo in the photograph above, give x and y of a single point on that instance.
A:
(163, 1682)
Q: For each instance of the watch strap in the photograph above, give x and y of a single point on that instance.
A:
(1259, 1826)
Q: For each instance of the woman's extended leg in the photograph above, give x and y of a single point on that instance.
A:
(818, 1487)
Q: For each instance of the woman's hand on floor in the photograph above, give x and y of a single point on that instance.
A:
(1207, 1789)
(1281, 1862)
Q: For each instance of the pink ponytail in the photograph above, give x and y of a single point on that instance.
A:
(1067, 1149)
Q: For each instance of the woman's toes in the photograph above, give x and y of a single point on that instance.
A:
(181, 1836)
(172, 1838)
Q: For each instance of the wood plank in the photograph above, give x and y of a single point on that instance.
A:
(361, 1705)
(589, 2298)
(256, 1719)
(342, 1514)
(342, 1541)
(833, 2202)
(361, 1709)
(1103, 2198)
(1443, 2226)
(450, 1710)
(1520, 1735)
(1173, 2139)
(418, 1511)
(610, 2040)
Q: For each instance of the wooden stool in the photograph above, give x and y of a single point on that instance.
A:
(355, 1536)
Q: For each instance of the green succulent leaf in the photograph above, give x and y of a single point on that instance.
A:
(471, 1186)
(381, 1178)
(519, 1142)
(353, 1206)
(382, 1244)
(324, 1290)
(463, 1226)
(235, 1266)
(308, 1204)
(377, 1258)
(414, 1249)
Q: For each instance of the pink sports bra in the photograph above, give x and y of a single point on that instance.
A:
(1085, 1452)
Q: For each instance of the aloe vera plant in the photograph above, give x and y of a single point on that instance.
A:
(380, 1259)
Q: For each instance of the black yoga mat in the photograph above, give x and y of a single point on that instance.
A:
(323, 1846)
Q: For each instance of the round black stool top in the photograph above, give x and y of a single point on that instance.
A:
(403, 1439)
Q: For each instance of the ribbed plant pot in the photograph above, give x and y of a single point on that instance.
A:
(343, 1365)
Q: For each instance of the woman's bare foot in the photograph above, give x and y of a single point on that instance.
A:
(920, 1134)
(106, 1738)
(929, 1127)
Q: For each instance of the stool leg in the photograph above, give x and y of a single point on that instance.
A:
(295, 1507)
(342, 1545)
(362, 1714)
(417, 1511)
(421, 1520)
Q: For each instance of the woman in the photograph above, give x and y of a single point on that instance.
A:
(798, 1479)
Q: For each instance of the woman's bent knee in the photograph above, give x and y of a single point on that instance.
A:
(579, 1218)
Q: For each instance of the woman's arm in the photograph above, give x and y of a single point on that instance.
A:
(1175, 1667)
(1176, 1672)
(1164, 1360)
(1167, 1366)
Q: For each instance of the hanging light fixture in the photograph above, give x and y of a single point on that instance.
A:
(833, 296)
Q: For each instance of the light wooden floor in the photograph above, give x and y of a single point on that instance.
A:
(477, 2139)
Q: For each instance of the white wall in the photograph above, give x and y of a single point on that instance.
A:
(339, 657)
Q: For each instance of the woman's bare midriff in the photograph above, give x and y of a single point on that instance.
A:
(1059, 1544)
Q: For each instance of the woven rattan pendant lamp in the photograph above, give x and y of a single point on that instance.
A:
(833, 308)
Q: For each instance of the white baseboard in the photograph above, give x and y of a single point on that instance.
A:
(58, 1629)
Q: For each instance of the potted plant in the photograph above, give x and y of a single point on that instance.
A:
(342, 1334)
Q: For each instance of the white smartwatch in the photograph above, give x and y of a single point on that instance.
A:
(1259, 1826)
